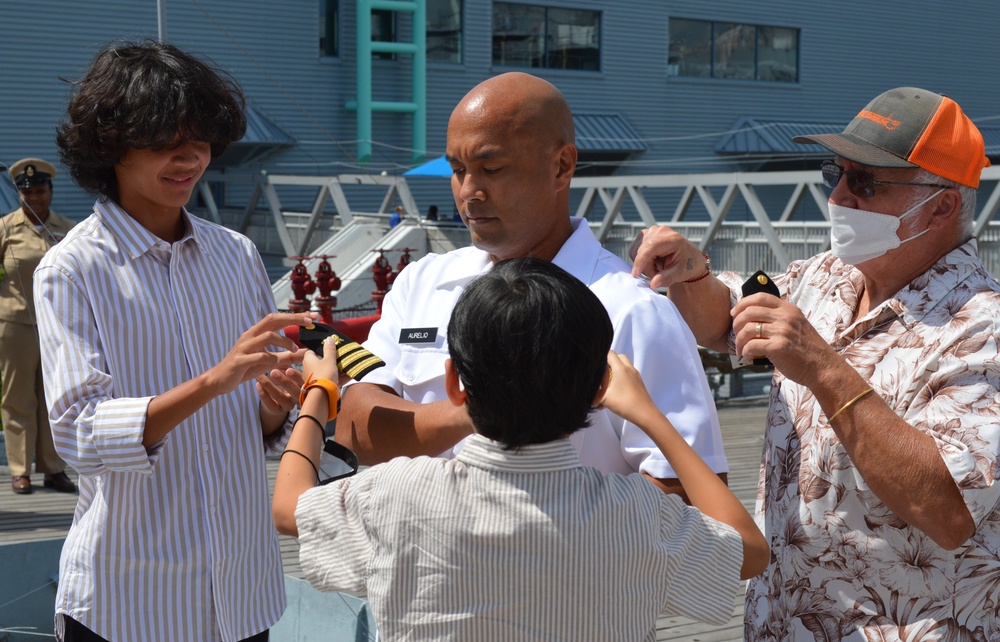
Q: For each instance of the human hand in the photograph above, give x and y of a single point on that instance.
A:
(250, 357)
(626, 395)
(279, 391)
(665, 256)
(325, 367)
(766, 326)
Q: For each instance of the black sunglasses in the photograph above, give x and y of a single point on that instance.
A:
(861, 182)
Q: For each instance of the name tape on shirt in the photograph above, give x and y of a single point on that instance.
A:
(418, 335)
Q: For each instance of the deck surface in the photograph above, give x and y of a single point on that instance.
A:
(47, 514)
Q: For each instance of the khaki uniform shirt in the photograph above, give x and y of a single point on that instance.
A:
(21, 248)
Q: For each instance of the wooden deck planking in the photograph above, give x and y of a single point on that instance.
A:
(46, 514)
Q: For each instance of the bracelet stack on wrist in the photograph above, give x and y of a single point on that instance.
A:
(332, 393)
(708, 270)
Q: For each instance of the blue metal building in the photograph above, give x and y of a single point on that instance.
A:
(658, 87)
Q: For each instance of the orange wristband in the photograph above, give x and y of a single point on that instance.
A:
(332, 393)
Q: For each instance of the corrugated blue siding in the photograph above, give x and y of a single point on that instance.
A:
(272, 49)
(41, 46)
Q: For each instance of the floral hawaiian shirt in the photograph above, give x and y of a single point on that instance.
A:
(843, 567)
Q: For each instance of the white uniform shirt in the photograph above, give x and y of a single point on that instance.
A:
(505, 546)
(174, 543)
(648, 329)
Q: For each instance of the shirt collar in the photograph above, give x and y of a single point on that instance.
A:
(51, 229)
(578, 256)
(467, 263)
(923, 294)
(580, 253)
(18, 217)
(133, 237)
(482, 452)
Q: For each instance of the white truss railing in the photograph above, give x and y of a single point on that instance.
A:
(770, 242)
(296, 229)
(788, 211)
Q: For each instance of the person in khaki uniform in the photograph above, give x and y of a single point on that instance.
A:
(25, 235)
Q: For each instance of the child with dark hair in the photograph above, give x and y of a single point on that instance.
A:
(166, 375)
(514, 539)
(530, 351)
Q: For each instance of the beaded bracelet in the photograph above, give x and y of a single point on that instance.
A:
(708, 270)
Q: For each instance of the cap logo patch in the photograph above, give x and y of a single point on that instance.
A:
(885, 121)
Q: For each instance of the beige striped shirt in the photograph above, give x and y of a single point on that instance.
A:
(507, 546)
(174, 543)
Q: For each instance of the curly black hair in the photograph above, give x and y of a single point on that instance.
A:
(145, 95)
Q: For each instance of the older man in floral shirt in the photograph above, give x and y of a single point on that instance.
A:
(878, 489)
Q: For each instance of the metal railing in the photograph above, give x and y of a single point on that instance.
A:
(773, 199)
(787, 211)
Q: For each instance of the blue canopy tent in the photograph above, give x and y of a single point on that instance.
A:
(437, 167)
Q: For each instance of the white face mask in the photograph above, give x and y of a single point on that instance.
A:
(857, 236)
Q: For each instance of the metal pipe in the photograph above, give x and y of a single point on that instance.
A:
(161, 21)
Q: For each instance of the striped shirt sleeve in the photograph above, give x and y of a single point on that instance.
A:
(334, 541)
(92, 431)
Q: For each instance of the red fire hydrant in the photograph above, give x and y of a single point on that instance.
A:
(302, 286)
(327, 281)
(382, 274)
(404, 260)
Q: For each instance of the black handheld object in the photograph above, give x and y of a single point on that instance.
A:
(336, 462)
(760, 282)
(352, 359)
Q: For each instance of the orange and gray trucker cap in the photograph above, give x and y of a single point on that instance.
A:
(910, 127)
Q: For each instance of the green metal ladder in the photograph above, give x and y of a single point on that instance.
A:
(417, 105)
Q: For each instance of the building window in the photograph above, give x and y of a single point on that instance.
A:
(709, 49)
(533, 36)
(329, 29)
(383, 30)
(444, 30)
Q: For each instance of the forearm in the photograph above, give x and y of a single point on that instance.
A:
(900, 464)
(297, 469)
(673, 486)
(271, 423)
(706, 491)
(705, 306)
(167, 410)
(378, 425)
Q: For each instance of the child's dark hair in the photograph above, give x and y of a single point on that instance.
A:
(530, 343)
(145, 96)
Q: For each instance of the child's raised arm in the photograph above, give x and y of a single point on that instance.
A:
(298, 471)
(627, 397)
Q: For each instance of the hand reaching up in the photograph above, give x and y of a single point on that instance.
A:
(626, 394)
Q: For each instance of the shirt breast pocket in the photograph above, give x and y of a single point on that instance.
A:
(421, 372)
